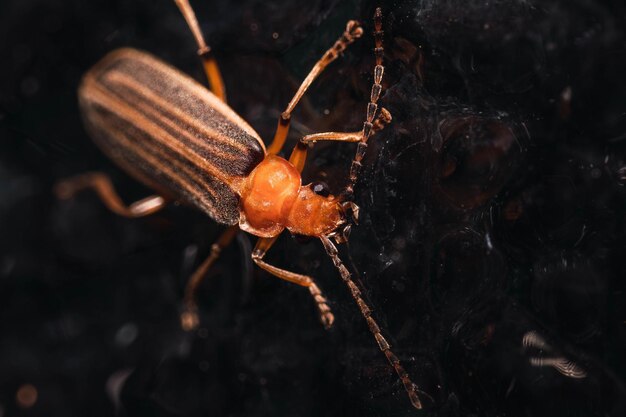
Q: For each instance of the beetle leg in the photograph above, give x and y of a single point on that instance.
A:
(101, 184)
(204, 51)
(333, 136)
(189, 317)
(298, 155)
(326, 316)
(384, 118)
(352, 32)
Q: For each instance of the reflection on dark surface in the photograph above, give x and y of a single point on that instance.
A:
(491, 240)
(477, 158)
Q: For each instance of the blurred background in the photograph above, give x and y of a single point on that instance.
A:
(491, 241)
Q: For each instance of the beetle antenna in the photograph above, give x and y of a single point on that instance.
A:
(372, 106)
(366, 311)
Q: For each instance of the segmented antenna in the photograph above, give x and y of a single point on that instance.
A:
(366, 311)
(372, 106)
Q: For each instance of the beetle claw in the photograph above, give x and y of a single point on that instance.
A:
(343, 235)
(350, 208)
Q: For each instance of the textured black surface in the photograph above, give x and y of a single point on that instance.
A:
(492, 210)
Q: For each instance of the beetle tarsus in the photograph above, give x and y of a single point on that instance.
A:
(189, 319)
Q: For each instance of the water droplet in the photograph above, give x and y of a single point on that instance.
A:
(126, 334)
(26, 396)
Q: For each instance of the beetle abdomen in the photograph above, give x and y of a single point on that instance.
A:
(169, 132)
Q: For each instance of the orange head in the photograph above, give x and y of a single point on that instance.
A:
(272, 199)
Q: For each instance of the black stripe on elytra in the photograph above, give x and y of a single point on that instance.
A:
(186, 100)
(222, 204)
(235, 166)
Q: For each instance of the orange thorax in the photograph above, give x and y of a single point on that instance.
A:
(272, 199)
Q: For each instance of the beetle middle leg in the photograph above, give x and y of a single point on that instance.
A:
(298, 155)
(263, 245)
(101, 184)
(383, 119)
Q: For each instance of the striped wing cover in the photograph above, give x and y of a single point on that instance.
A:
(169, 131)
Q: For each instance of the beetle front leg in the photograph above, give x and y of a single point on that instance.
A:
(326, 316)
(353, 31)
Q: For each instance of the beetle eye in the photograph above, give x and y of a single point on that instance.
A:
(320, 188)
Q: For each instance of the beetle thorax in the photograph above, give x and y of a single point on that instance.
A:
(273, 199)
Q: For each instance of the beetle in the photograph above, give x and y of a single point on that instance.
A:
(182, 140)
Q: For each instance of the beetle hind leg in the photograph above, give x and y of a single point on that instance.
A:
(101, 184)
(189, 319)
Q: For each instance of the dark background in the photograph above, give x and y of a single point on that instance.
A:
(492, 207)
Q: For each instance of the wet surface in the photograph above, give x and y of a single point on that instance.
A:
(491, 241)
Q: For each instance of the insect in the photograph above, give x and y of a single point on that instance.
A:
(182, 140)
